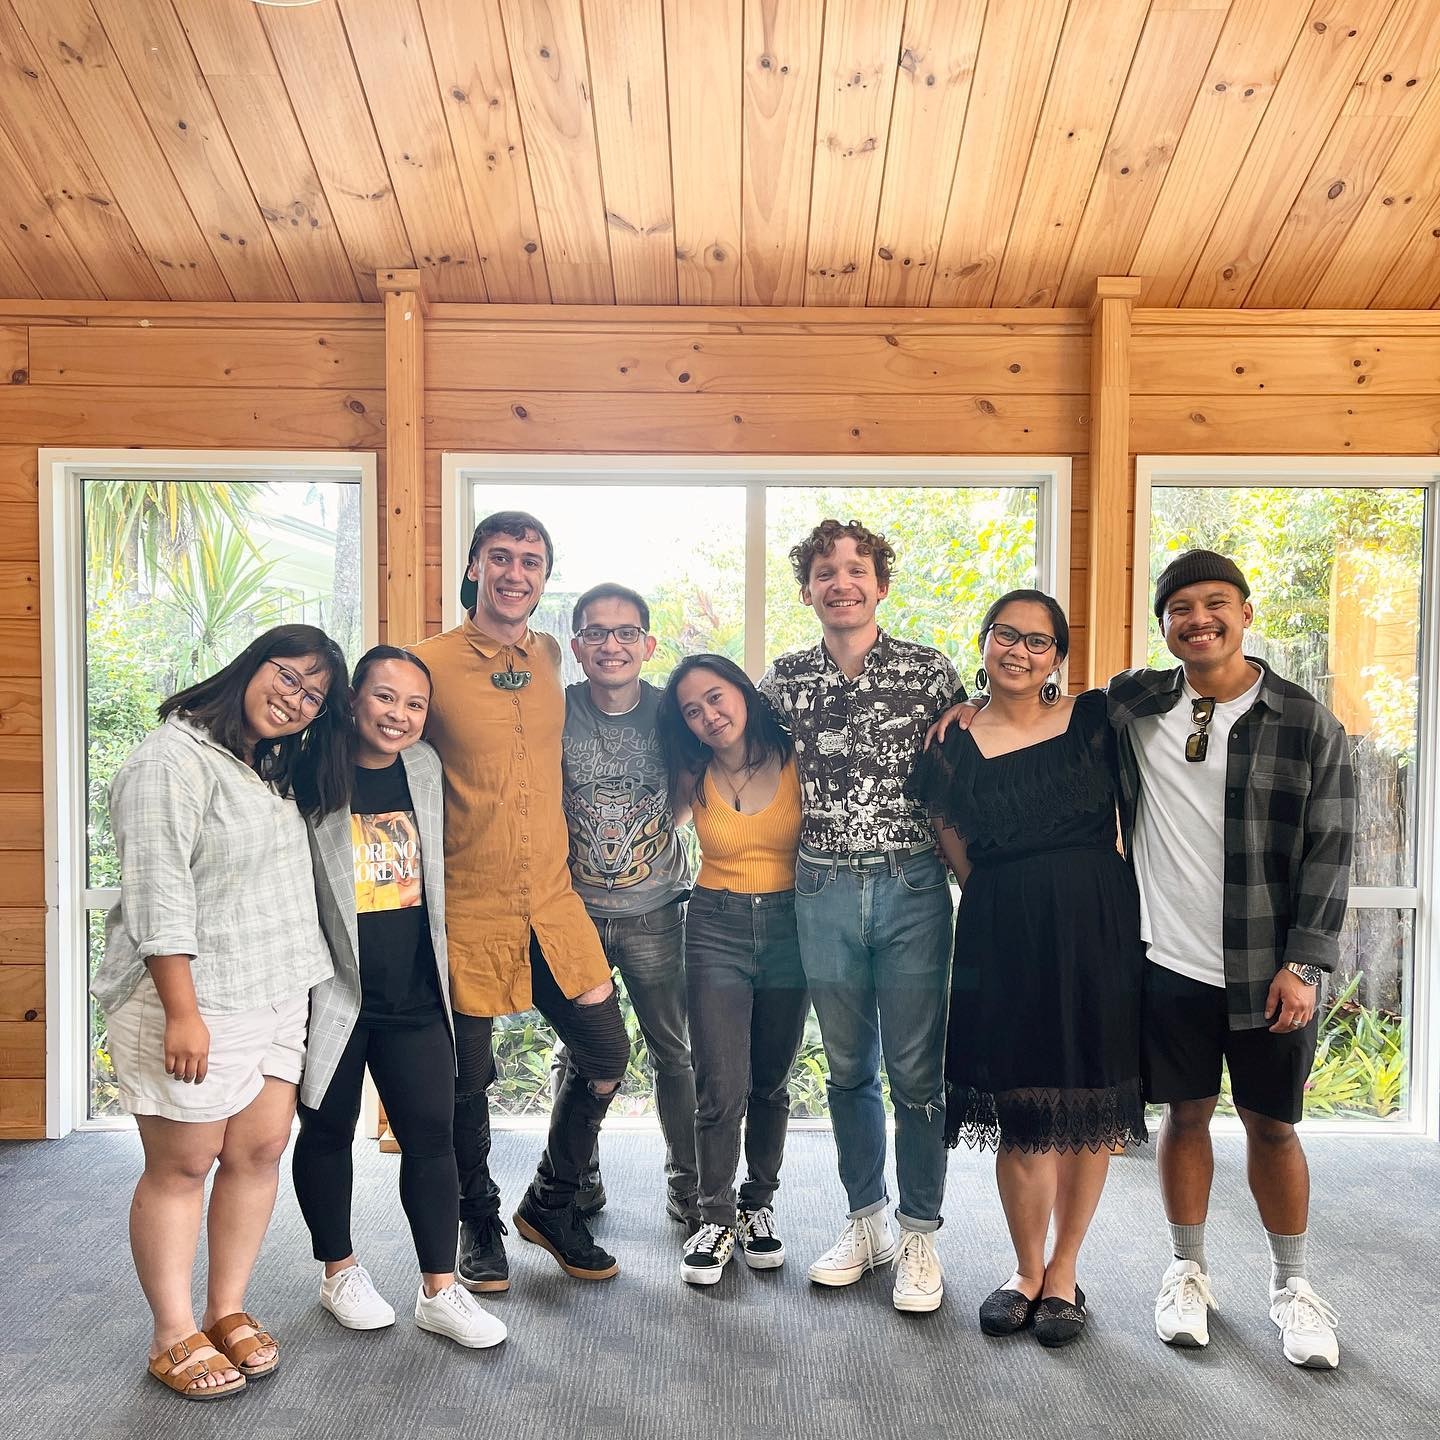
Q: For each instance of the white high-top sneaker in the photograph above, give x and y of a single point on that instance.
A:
(919, 1281)
(864, 1244)
(1306, 1324)
(1182, 1308)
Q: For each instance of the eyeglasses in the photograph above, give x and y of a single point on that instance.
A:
(1202, 712)
(599, 634)
(1036, 642)
(290, 683)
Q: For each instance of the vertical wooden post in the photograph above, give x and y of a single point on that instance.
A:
(404, 455)
(1110, 475)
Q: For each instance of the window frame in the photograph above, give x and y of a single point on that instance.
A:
(68, 898)
(757, 473)
(1418, 472)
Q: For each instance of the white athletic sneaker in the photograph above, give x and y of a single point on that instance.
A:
(864, 1244)
(919, 1282)
(1307, 1325)
(759, 1240)
(455, 1313)
(351, 1297)
(1182, 1308)
(707, 1252)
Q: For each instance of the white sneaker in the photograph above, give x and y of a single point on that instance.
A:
(864, 1244)
(455, 1313)
(707, 1252)
(351, 1297)
(1307, 1325)
(919, 1281)
(1182, 1308)
(759, 1240)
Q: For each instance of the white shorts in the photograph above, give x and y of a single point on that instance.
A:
(244, 1049)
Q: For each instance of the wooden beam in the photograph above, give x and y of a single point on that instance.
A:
(404, 458)
(1110, 497)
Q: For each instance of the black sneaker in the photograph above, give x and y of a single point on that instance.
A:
(759, 1239)
(707, 1252)
(684, 1212)
(564, 1233)
(482, 1264)
(590, 1197)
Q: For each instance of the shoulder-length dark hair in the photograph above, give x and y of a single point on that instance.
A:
(313, 766)
(376, 653)
(686, 756)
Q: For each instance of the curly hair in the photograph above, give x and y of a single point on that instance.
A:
(823, 539)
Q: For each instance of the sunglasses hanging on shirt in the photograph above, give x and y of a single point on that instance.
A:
(1202, 712)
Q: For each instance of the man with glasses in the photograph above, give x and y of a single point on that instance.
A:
(518, 934)
(872, 902)
(1238, 805)
(628, 864)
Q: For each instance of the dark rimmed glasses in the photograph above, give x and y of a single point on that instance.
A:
(289, 683)
(1036, 641)
(599, 634)
(1197, 743)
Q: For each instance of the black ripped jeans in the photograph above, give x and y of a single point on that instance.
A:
(599, 1051)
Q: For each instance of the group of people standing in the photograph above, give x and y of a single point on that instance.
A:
(295, 855)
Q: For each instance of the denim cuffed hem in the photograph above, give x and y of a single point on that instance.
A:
(718, 1215)
(925, 1227)
(872, 1209)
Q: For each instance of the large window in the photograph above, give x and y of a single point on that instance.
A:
(706, 541)
(1339, 560)
(162, 571)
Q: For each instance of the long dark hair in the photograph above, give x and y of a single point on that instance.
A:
(687, 756)
(376, 653)
(1031, 597)
(314, 765)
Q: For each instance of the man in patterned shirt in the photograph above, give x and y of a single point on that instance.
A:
(872, 901)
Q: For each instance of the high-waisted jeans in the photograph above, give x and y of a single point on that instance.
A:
(748, 1004)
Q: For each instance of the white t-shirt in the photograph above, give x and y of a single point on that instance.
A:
(1180, 836)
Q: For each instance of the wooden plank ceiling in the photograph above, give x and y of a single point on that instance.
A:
(972, 153)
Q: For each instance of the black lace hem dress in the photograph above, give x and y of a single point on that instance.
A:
(1043, 1044)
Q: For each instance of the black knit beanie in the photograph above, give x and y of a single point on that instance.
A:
(1193, 568)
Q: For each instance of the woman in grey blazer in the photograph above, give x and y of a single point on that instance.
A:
(380, 886)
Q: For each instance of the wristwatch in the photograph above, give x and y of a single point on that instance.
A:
(1310, 974)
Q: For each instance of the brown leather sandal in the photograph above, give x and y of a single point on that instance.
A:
(240, 1350)
(180, 1377)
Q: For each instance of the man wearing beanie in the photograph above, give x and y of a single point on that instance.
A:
(1238, 810)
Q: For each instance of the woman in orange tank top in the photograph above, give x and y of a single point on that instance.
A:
(732, 764)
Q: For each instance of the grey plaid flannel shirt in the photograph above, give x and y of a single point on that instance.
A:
(1289, 827)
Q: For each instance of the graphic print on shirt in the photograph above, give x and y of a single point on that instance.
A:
(619, 825)
(389, 873)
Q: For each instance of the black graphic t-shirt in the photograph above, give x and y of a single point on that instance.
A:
(625, 857)
(398, 985)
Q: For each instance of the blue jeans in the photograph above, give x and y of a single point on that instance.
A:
(876, 940)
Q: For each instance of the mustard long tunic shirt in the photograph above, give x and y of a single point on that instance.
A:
(506, 842)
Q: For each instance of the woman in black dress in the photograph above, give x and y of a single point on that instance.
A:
(1043, 1050)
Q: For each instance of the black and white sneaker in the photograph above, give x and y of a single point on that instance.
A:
(706, 1253)
(764, 1250)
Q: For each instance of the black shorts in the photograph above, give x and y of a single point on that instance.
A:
(1185, 1033)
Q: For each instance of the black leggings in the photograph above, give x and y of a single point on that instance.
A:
(413, 1067)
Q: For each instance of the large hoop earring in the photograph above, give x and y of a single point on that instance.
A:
(982, 679)
(1050, 690)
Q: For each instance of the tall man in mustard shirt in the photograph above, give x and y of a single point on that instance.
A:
(519, 937)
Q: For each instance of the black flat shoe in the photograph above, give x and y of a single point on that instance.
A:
(1004, 1312)
(1058, 1322)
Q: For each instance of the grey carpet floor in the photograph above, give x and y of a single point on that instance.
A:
(761, 1356)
